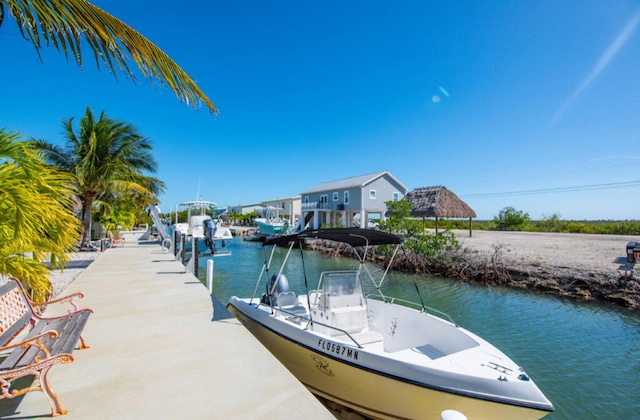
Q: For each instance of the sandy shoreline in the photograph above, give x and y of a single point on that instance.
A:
(598, 253)
(577, 265)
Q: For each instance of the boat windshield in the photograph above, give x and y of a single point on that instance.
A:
(340, 289)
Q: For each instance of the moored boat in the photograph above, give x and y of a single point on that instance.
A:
(379, 355)
(272, 224)
(200, 225)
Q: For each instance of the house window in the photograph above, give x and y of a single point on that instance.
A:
(372, 194)
(335, 196)
(306, 198)
(324, 198)
(396, 196)
(346, 197)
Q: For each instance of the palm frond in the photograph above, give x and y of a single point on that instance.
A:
(63, 24)
(35, 215)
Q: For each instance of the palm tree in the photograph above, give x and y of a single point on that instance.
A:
(65, 24)
(107, 159)
(36, 214)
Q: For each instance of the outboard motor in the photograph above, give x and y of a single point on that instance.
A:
(210, 228)
(277, 284)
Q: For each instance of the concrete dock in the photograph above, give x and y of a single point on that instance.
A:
(163, 348)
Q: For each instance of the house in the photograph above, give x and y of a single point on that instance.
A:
(245, 208)
(350, 201)
(288, 207)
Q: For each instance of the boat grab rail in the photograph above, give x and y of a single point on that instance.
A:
(311, 322)
(423, 308)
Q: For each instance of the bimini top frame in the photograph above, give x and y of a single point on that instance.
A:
(355, 237)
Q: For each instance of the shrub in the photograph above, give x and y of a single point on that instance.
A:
(511, 219)
(435, 248)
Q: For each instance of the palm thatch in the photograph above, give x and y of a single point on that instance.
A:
(438, 201)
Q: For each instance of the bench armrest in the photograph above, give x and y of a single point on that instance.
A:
(41, 306)
(35, 340)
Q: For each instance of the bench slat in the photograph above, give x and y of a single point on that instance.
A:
(69, 329)
(22, 357)
(70, 334)
(42, 326)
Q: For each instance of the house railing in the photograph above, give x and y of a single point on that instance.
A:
(322, 205)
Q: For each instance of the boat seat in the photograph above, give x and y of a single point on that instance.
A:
(352, 319)
(288, 302)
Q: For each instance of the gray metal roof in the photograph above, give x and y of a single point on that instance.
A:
(356, 181)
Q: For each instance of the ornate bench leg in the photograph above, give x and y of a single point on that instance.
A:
(56, 408)
(83, 344)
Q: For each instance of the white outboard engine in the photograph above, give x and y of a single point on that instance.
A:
(210, 228)
(277, 284)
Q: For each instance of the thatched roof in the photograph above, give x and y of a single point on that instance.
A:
(438, 202)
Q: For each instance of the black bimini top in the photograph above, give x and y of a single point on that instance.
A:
(352, 236)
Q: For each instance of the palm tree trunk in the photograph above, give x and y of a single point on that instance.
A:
(87, 203)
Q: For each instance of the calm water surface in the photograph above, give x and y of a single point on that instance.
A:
(584, 356)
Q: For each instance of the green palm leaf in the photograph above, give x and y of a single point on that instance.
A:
(105, 159)
(36, 217)
(64, 24)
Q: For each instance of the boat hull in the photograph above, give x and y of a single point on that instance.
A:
(326, 371)
(271, 228)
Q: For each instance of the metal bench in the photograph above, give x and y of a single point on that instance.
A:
(116, 240)
(47, 341)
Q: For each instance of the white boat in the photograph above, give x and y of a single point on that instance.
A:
(271, 224)
(381, 356)
(203, 227)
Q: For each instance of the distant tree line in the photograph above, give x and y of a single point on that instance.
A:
(510, 219)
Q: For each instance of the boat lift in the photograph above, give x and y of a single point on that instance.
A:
(165, 241)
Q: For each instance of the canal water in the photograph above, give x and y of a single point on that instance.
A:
(585, 356)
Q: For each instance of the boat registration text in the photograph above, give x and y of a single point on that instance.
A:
(338, 349)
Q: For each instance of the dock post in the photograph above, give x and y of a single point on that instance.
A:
(183, 245)
(194, 254)
(210, 275)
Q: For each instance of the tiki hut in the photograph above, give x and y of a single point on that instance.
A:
(438, 202)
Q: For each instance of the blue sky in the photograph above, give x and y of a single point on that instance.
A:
(529, 104)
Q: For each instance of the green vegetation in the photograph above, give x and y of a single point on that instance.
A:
(102, 168)
(106, 161)
(246, 219)
(67, 25)
(511, 219)
(552, 223)
(441, 254)
(36, 204)
(435, 248)
(36, 217)
(182, 215)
